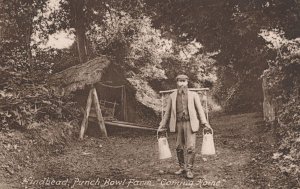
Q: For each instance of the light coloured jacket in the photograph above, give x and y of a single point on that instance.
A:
(194, 107)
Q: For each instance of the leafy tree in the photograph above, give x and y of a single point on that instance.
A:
(18, 18)
(82, 15)
(143, 54)
(283, 81)
(232, 27)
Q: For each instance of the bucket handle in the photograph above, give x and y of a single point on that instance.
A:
(158, 132)
(212, 131)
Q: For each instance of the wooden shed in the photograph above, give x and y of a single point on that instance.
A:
(107, 85)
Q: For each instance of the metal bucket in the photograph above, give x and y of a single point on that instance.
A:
(164, 151)
(208, 146)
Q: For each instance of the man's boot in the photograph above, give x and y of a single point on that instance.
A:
(180, 157)
(190, 163)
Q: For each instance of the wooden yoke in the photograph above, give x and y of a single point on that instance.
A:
(93, 97)
(190, 89)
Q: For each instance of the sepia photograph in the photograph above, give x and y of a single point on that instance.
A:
(149, 94)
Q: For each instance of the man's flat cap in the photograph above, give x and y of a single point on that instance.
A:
(182, 77)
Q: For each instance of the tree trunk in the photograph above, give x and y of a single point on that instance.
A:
(1, 21)
(78, 6)
(28, 43)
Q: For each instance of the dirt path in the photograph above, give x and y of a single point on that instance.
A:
(129, 160)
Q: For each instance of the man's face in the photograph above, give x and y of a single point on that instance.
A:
(182, 82)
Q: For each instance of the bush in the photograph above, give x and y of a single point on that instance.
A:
(283, 82)
(26, 101)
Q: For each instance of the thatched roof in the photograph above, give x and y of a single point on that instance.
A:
(91, 72)
(76, 77)
(145, 94)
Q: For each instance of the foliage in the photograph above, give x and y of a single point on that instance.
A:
(94, 12)
(26, 102)
(147, 57)
(283, 82)
(79, 16)
(231, 27)
(50, 60)
(121, 30)
(17, 25)
(115, 28)
(24, 97)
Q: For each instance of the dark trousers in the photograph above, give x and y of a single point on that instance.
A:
(186, 139)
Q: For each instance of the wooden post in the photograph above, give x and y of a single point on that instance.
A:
(162, 106)
(206, 105)
(268, 103)
(114, 108)
(124, 99)
(99, 113)
(129, 125)
(123, 104)
(84, 123)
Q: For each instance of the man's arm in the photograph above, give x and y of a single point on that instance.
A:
(166, 117)
(201, 111)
